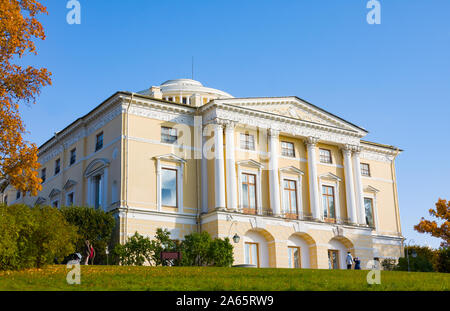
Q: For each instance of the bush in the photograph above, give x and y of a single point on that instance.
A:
(135, 251)
(443, 260)
(389, 264)
(33, 237)
(94, 225)
(423, 262)
(139, 249)
(199, 250)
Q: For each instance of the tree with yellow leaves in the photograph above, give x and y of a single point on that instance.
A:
(19, 85)
(442, 212)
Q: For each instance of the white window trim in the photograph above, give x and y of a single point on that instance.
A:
(332, 181)
(55, 200)
(179, 167)
(90, 174)
(255, 168)
(286, 174)
(371, 193)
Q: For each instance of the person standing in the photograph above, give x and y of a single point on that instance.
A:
(92, 254)
(349, 261)
(87, 251)
(357, 263)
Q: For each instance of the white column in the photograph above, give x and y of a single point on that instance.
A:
(204, 179)
(274, 182)
(231, 167)
(349, 186)
(158, 185)
(312, 177)
(359, 187)
(219, 167)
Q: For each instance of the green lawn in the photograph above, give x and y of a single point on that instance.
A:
(211, 278)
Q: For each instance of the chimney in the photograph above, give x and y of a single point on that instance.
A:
(155, 92)
(196, 100)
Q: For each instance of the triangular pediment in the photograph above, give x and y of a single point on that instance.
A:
(296, 108)
(69, 184)
(250, 163)
(54, 193)
(40, 201)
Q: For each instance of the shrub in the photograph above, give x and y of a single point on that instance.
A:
(388, 264)
(135, 251)
(443, 260)
(94, 225)
(221, 252)
(33, 237)
(199, 250)
(139, 249)
(423, 262)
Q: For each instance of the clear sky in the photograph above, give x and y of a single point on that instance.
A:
(392, 79)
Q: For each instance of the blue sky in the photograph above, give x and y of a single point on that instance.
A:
(392, 79)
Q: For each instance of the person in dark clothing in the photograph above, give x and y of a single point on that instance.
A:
(357, 263)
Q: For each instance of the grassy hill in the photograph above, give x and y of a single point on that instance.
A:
(211, 278)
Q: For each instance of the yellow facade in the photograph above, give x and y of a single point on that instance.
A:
(126, 175)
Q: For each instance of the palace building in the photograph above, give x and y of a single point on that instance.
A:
(291, 185)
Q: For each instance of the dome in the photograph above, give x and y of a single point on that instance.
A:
(187, 87)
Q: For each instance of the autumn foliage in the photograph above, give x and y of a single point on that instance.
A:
(19, 85)
(441, 231)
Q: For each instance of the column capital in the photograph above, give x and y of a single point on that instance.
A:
(273, 132)
(311, 141)
(351, 148)
(229, 125)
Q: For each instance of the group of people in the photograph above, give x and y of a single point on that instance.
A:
(350, 261)
(89, 253)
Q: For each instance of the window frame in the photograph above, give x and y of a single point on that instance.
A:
(57, 166)
(245, 143)
(321, 156)
(295, 190)
(372, 200)
(73, 156)
(364, 170)
(44, 174)
(163, 135)
(284, 149)
(176, 187)
(99, 143)
(73, 198)
(248, 209)
(299, 259)
(328, 218)
(249, 244)
(330, 251)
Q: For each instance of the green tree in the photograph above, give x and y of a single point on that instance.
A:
(94, 225)
(135, 252)
(422, 262)
(196, 249)
(162, 243)
(443, 260)
(33, 237)
(221, 252)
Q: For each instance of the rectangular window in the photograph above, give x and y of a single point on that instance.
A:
(247, 141)
(294, 257)
(168, 135)
(55, 203)
(290, 198)
(17, 195)
(249, 193)
(368, 205)
(325, 156)
(43, 174)
(99, 142)
(169, 187)
(5, 200)
(287, 149)
(73, 156)
(252, 254)
(333, 259)
(185, 100)
(70, 198)
(328, 202)
(57, 166)
(365, 169)
(97, 191)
